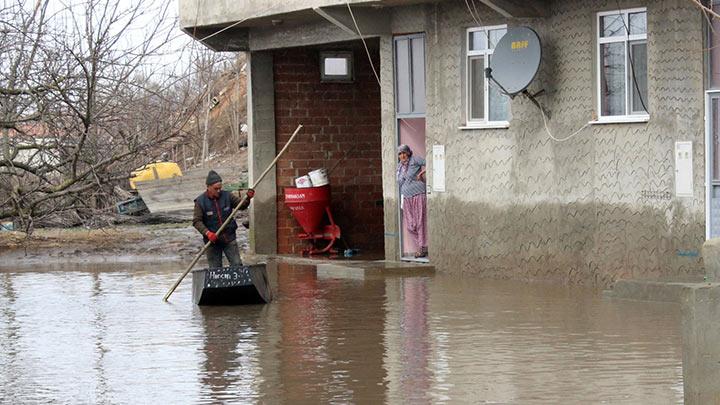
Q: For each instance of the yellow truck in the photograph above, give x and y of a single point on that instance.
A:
(154, 171)
(148, 172)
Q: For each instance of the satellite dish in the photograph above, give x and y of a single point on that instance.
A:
(515, 60)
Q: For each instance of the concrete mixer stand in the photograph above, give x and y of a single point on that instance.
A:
(308, 207)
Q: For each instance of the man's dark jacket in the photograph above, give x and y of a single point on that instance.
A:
(209, 214)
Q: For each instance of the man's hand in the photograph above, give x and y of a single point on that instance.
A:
(250, 193)
(212, 236)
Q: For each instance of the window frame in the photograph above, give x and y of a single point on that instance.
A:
(710, 44)
(627, 40)
(349, 57)
(485, 54)
(415, 110)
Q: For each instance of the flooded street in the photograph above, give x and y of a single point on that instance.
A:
(103, 335)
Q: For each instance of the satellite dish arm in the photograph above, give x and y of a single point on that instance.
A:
(489, 76)
(534, 100)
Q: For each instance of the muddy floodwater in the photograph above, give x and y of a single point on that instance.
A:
(103, 335)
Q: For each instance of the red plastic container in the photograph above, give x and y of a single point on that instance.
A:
(309, 206)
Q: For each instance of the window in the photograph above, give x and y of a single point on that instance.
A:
(410, 74)
(486, 104)
(622, 63)
(336, 66)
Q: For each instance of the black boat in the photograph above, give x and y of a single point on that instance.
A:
(241, 285)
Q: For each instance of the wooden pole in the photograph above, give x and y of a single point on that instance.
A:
(232, 215)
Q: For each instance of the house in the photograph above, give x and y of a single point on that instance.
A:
(32, 144)
(633, 193)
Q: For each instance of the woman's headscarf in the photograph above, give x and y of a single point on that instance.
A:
(402, 167)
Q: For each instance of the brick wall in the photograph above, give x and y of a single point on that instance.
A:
(340, 119)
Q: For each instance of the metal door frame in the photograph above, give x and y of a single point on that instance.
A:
(397, 117)
(709, 96)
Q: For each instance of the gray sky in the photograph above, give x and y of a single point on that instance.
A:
(173, 56)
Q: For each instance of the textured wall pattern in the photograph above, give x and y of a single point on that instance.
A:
(261, 142)
(519, 205)
(341, 124)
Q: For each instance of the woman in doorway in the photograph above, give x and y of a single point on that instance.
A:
(411, 179)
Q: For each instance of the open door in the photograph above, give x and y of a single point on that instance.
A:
(410, 114)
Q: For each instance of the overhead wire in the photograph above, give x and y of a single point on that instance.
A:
(635, 82)
(211, 83)
(235, 24)
(477, 19)
(542, 111)
(372, 64)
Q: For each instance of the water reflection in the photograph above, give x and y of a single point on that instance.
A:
(407, 340)
(332, 333)
(9, 332)
(102, 335)
(231, 370)
(514, 343)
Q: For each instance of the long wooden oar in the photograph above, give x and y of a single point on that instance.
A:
(232, 215)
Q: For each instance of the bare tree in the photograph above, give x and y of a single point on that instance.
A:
(80, 103)
(236, 114)
(208, 71)
(706, 9)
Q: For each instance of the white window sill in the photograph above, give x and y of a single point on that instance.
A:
(487, 125)
(621, 119)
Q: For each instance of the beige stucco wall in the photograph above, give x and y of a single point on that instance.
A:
(519, 205)
(219, 12)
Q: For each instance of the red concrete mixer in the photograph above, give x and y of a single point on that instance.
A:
(309, 206)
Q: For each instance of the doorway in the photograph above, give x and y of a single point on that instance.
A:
(341, 134)
(409, 55)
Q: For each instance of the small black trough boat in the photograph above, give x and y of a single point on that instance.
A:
(240, 285)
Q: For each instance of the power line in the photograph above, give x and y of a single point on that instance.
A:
(363, 42)
(236, 23)
(477, 19)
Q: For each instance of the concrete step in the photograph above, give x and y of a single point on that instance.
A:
(374, 269)
(644, 290)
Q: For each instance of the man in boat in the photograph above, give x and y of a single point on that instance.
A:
(212, 208)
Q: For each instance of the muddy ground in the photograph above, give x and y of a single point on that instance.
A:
(117, 244)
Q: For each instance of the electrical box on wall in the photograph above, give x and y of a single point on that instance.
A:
(438, 169)
(683, 169)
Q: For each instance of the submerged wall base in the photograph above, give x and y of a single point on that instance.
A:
(701, 351)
